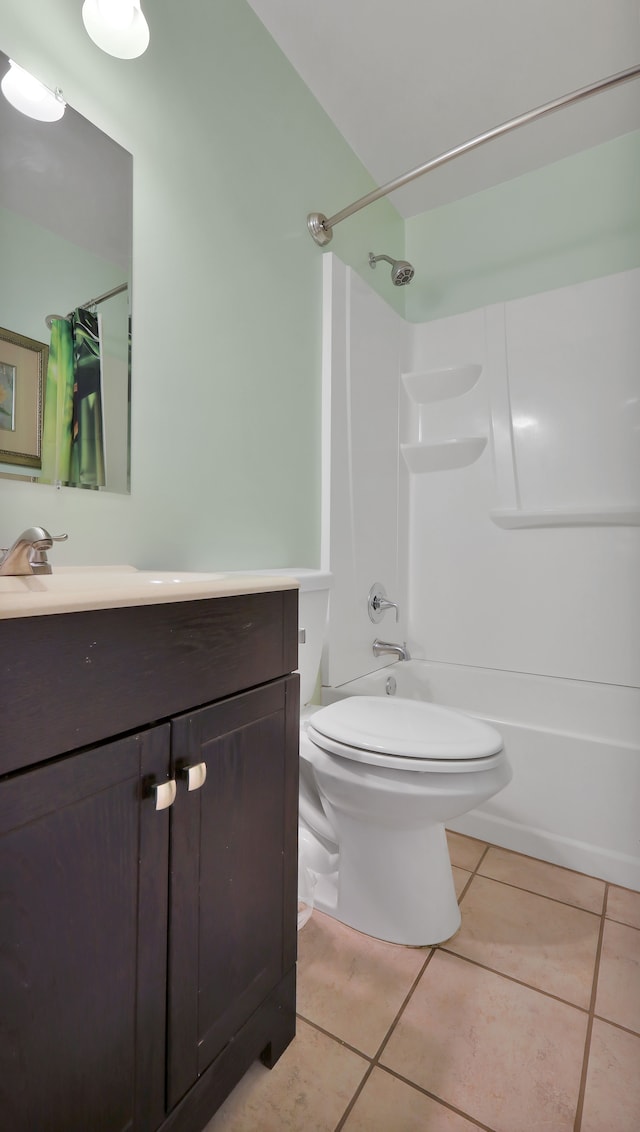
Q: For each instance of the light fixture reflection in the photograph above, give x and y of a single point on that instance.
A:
(117, 27)
(30, 96)
(523, 423)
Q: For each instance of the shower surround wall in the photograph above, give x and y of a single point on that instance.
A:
(517, 529)
(364, 487)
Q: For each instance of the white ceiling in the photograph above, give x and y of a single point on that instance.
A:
(407, 80)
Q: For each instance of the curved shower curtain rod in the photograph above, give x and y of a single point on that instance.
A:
(321, 228)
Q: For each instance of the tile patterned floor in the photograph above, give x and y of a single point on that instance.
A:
(528, 1020)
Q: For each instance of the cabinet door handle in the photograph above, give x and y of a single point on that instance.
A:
(165, 794)
(195, 775)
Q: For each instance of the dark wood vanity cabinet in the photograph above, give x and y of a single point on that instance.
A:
(147, 956)
(82, 916)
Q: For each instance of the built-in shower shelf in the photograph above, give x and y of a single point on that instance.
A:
(443, 457)
(511, 519)
(425, 386)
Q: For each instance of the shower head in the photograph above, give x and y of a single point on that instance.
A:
(401, 271)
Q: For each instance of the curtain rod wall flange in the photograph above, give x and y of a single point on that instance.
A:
(321, 228)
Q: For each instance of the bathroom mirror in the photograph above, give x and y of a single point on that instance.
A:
(66, 192)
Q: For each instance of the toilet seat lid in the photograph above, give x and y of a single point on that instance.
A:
(408, 728)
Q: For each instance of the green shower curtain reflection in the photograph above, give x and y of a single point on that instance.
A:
(73, 429)
(87, 449)
(58, 405)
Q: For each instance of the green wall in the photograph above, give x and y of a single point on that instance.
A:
(576, 219)
(230, 151)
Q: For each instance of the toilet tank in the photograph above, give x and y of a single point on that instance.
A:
(313, 604)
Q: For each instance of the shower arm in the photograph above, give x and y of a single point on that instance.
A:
(321, 227)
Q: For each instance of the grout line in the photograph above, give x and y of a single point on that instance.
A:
(334, 1037)
(472, 872)
(512, 979)
(352, 1103)
(392, 1027)
(531, 891)
(623, 923)
(434, 1097)
(463, 892)
(592, 1006)
(542, 895)
(482, 856)
(376, 1059)
(617, 1025)
(520, 982)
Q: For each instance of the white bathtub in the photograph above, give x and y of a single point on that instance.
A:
(575, 751)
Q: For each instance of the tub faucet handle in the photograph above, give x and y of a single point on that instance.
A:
(378, 603)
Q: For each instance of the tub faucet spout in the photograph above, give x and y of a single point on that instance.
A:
(399, 651)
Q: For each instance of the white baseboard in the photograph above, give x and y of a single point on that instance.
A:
(617, 868)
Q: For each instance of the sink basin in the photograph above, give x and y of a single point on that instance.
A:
(74, 588)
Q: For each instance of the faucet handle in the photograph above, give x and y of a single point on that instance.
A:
(378, 603)
(45, 540)
(38, 558)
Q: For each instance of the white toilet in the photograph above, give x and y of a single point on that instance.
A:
(379, 779)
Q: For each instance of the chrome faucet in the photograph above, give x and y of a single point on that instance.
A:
(400, 651)
(28, 555)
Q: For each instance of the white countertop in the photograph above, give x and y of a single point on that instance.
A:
(71, 589)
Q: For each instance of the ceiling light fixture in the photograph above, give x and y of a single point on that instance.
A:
(117, 27)
(30, 96)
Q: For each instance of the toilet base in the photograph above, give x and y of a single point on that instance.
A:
(394, 886)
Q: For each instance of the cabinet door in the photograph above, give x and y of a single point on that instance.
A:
(233, 871)
(83, 853)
